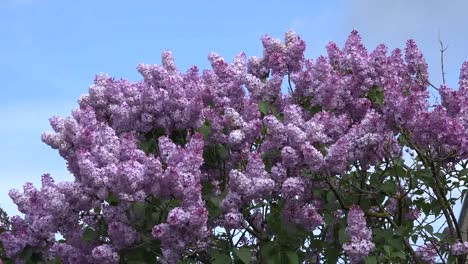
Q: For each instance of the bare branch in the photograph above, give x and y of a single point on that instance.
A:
(442, 50)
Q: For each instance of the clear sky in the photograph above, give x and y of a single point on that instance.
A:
(50, 51)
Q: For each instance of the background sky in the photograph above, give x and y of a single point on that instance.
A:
(50, 51)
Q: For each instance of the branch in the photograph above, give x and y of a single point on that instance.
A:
(337, 195)
(242, 236)
(291, 91)
(448, 212)
(442, 49)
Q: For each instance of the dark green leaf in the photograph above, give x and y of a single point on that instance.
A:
(429, 229)
(342, 237)
(331, 198)
(395, 242)
(264, 107)
(365, 204)
(268, 250)
(388, 250)
(399, 255)
(139, 209)
(205, 130)
(243, 254)
(27, 253)
(113, 199)
(97, 210)
(220, 258)
(89, 234)
(292, 257)
(331, 254)
(389, 187)
(376, 95)
(371, 260)
(315, 109)
(274, 110)
(222, 151)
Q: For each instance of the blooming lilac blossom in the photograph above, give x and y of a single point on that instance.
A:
(105, 254)
(459, 248)
(360, 245)
(173, 137)
(427, 253)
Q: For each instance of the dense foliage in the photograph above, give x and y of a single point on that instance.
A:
(352, 165)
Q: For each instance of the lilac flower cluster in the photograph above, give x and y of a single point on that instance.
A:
(360, 245)
(459, 248)
(427, 253)
(229, 132)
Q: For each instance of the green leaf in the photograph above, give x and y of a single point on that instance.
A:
(387, 249)
(264, 107)
(113, 199)
(292, 257)
(398, 170)
(426, 208)
(243, 254)
(315, 109)
(27, 253)
(205, 130)
(395, 242)
(316, 243)
(331, 199)
(139, 255)
(220, 257)
(402, 140)
(222, 151)
(429, 229)
(440, 236)
(371, 260)
(268, 250)
(342, 237)
(212, 204)
(89, 234)
(139, 209)
(365, 204)
(328, 218)
(389, 187)
(97, 210)
(331, 254)
(179, 137)
(399, 255)
(451, 259)
(274, 110)
(376, 95)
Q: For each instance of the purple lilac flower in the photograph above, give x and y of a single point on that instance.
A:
(360, 245)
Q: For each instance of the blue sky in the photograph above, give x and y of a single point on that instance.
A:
(50, 51)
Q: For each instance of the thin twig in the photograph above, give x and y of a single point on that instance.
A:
(442, 49)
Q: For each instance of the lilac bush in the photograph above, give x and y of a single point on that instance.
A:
(221, 166)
